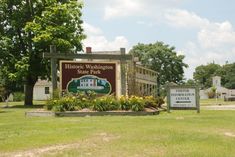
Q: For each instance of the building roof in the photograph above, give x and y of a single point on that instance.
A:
(43, 83)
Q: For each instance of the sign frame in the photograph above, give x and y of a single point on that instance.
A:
(98, 62)
(169, 107)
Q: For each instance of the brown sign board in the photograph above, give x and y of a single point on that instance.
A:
(99, 77)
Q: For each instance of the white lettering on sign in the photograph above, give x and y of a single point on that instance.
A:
(183, 97)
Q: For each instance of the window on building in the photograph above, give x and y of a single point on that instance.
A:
(47, 90)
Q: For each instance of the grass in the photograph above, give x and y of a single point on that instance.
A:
(178, 134)
(208, 102)
(21, 104)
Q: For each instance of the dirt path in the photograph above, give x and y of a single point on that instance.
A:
(97, 139)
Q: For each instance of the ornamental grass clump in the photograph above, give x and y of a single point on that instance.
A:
(150, 102)
(136, 103)
(89, 100)
(124, 103)
(69, 103)
(105, 103)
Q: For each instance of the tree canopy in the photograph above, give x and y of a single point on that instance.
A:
(163, 59)
(203, 75)
(27, 28)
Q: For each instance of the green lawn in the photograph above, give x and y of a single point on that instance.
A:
(208, 102)
(178, 134)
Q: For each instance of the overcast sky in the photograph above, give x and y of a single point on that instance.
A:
(202, 30)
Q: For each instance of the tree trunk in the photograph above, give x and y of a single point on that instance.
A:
(28, 101)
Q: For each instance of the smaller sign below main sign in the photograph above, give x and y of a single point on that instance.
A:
(183, 97)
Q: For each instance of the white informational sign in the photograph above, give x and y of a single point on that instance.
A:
(183, 98)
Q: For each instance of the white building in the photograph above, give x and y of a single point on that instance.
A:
(222, 92)
(89, 83)
(42, 90)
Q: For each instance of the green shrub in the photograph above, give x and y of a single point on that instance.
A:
(124, 103)
(73, 102)
(18, 96)
(137, 103)
(106, 103)
(49, 104)
(150, 101)
(69, 103)
(159, 101)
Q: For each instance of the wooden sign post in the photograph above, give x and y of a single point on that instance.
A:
(122, 57)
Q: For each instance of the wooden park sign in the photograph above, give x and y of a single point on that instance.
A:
(121, 57)
(99, 77)
(183, 98)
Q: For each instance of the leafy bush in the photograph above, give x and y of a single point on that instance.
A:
(18, 96)
(159, 101)
(69, 103)
(150, 101)
(137, 103)
(212, 93)
(73, 102)
(124, 103)
(106, 103)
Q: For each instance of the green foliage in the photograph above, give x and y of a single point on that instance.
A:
(2, 93)
(18, 96)
(160, 101)
(203, 74)
(69, 103)
(150, 101)
(212, 93)
(227, 74)
(163, 59)
(191, 82)
(106, 103)
(124, 103)
(26, 31)
(137, 103)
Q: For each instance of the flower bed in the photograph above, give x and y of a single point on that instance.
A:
(81, 101)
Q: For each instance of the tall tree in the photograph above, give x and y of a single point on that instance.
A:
(203, 74)
(27, 28)
(227, 74)
(163, 59)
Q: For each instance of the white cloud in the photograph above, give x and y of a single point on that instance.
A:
(122, 8)
(127, 8)
(99, 42)
(216, 35)
(183, 18)
(91, 30)
(210, 34)
(144, 23)
(215, 42)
